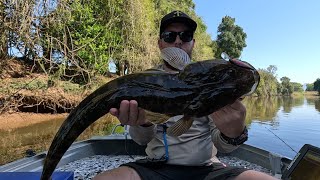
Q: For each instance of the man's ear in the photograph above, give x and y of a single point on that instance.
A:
(194, 41)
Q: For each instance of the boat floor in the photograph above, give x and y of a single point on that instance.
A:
(98, 154)
(89, 167)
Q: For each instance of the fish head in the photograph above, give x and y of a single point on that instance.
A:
(246, 76)
(219, 82)
(235, 77)
(215, 74)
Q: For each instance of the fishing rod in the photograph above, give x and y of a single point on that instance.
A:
(281, 140)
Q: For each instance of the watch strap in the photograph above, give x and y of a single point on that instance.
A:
(243, 137)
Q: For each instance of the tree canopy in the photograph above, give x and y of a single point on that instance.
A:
(310, 87)
(72, 38)
(82, 36)
(316, 85)
(231, 38)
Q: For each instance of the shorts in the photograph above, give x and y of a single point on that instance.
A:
(162, 171)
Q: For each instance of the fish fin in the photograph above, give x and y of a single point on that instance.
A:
(156, 118)
(180, 127)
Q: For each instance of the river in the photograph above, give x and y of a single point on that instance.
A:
(281, 125)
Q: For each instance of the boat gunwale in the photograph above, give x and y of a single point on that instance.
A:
(121, 145)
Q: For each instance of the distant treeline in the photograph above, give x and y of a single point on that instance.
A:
(314, 86)
(269, 85)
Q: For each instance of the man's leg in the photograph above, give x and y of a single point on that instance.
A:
(236, 173)
(254, 175)
(120, 173)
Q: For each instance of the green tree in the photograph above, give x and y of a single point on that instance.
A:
(231, 38)
(268, 85)
(287, 87)
(297, 87)
(279, 88)
(3, 29)
(98, 32)
(316, 85)
(204, 49)
(310, 87)
(86, 34)
(272, 69)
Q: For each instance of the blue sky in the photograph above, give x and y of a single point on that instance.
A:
(284, 33)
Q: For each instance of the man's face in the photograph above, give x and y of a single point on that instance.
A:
(177, 27)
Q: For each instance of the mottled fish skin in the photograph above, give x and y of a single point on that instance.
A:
(200, 89)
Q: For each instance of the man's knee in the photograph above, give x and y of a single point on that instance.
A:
(253, 175)
(121, 173)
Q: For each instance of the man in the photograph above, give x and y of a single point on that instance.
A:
(193, 154)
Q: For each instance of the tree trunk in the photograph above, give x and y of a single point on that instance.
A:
(3, 33)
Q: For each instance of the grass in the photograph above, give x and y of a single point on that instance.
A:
(311, 93)
(41, 83)
(305, 93)
(69, 87)
(28, 85)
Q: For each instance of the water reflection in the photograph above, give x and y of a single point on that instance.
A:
(262, 109)
(15, 142)
(317, 104)
(295, 121)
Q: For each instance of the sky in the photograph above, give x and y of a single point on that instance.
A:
(284, 33)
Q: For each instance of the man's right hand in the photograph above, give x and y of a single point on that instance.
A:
(130, 114)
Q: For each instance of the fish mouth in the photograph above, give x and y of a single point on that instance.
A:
(256, 84)
(237, 62)
(255, 73)
(242, 64)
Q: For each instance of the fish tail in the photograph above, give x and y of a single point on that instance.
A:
(180, 127)
(88, 111)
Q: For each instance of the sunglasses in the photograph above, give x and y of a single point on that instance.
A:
(170, 36)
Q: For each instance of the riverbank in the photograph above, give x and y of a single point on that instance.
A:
(30, 131)
(16, 120)
(23, 91)
(306, 94)
(33, 106)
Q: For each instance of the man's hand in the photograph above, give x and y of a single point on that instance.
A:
(130, 114)
(230, 120)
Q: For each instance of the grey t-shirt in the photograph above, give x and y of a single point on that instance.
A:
(198, 146)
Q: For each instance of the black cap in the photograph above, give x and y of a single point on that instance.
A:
(177, 16)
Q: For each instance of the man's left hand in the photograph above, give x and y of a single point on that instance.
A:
(230, 120)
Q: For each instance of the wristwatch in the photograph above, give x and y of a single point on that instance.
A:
(243, 137)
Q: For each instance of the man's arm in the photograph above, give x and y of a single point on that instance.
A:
(230, 120)
(129, 113)
(142, 135)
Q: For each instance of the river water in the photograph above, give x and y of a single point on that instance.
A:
(281, 125)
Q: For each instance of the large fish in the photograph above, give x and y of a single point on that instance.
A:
(198, 90)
